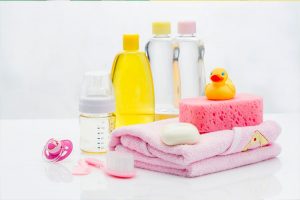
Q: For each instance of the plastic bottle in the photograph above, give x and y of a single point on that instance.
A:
(160, 53)
(96, 107)
(190, 60)
(133, 85)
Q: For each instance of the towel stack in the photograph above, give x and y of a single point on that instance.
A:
(234, 135)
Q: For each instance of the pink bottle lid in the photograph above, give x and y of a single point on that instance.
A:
(186, 27)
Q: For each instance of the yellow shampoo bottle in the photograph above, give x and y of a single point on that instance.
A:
(133, 85)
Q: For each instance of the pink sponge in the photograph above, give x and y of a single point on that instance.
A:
(208, 116)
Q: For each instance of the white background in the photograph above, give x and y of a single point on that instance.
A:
(45, 47)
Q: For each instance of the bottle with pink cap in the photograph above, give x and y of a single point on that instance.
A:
(190, 60)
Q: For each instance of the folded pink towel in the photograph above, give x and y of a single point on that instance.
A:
(217, 151)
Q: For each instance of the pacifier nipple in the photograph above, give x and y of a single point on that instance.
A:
(54, 148)
(51, 146)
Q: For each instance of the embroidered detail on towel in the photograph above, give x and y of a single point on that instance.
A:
(257, 139)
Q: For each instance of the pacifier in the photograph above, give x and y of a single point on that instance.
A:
(55, 150)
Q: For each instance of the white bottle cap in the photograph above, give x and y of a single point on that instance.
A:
(97, 94)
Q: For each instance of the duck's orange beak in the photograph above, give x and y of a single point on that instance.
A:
(216, 78)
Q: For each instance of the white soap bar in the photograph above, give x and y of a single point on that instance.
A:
(179, 133)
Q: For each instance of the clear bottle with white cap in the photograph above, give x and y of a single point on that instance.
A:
(96, 107)
(190, 60)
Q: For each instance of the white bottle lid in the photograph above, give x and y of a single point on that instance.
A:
(97, 95)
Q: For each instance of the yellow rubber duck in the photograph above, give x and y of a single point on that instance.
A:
(221, 87)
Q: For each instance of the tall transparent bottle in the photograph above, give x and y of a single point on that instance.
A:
(190, 60)
(133, 85)
(96, 107)
(160, 53)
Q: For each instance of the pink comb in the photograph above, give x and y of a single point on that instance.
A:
(118, 164)
(94, 162)
(82, 168)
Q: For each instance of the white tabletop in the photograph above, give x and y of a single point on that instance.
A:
(24, 175)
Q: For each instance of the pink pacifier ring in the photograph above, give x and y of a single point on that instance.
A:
(55, 150)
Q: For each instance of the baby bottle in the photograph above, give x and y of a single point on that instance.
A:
(96, 107)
